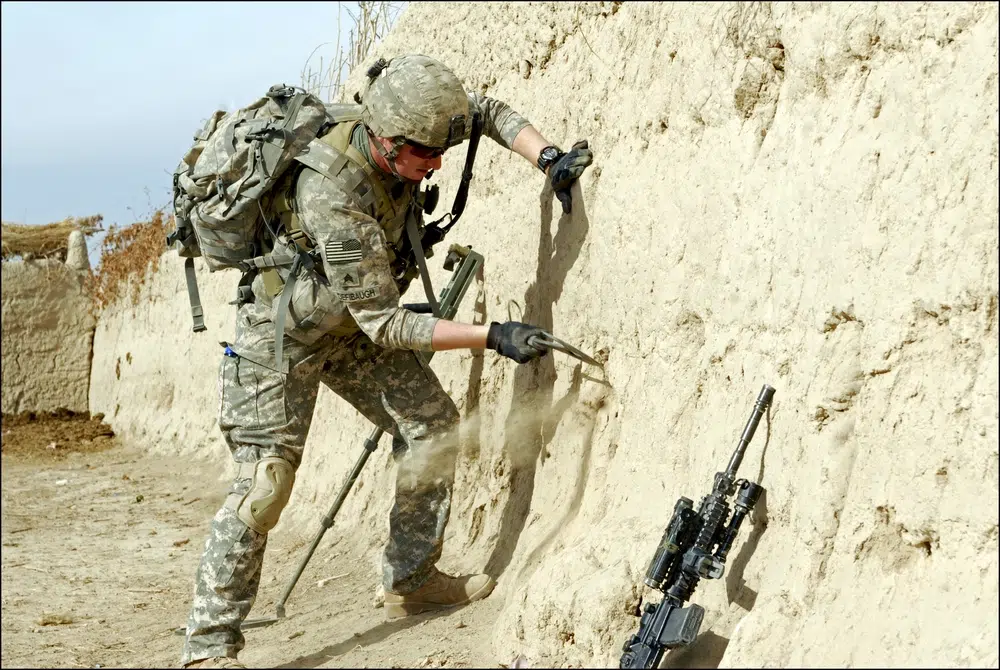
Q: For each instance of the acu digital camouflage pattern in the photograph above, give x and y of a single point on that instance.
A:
(363, 294)
(219, 181)
(415, 97)
(361, 345)
(364, 291)
(264, 413)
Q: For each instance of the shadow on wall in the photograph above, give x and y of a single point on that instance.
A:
(534, 382)
(470, 435)
(736, 587)
(705, 652)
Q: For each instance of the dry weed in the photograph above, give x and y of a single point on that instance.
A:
(748, 27)
(369, 25)
(126, 255)
(48, 241)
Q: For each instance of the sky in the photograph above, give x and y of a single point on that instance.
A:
(100, 100)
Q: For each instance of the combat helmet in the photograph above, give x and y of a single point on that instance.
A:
(415, 98)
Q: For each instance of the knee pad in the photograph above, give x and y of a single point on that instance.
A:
(261, 506)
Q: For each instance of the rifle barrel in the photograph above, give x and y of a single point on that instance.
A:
(760, 406)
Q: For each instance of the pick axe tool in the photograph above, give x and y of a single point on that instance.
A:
(549, 341)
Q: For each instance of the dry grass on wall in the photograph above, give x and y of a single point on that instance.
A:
(48, 241)
(126, 255)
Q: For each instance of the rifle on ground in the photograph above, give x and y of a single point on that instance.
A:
(694, 546)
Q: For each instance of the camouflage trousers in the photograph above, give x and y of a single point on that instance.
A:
(267, 414)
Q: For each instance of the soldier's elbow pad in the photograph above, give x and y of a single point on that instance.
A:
(261, 506)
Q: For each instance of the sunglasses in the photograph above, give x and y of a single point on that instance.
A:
(424, 152)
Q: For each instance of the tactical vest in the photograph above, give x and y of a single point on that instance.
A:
(333, 157)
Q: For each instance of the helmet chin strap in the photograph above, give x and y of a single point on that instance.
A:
(389, 156)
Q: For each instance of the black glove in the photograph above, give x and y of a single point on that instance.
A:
(567, 170)
(511, 340)
(432, 235)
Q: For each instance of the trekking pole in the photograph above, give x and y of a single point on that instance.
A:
(469, 263)
(371, 444)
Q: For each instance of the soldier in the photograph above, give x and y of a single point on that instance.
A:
(346, 329)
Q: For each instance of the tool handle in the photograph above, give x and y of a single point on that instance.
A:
(539, 342)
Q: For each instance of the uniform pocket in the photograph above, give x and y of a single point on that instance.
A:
(313, 311)
(252, 396)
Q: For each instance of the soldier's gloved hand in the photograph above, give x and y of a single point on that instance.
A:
(567, 170)
(511, 340)
(432, 235)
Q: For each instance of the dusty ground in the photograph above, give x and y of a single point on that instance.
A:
(100, 546)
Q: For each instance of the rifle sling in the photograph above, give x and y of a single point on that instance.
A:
(462, 196)
(418, 254)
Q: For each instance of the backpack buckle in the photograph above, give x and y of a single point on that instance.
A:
(244, 295)
(280, 91)
(303, 260)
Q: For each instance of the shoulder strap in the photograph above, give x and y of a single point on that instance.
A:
(340, 112)
(333, 157)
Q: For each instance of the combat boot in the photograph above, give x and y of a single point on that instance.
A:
(441, 591)
(216, 662)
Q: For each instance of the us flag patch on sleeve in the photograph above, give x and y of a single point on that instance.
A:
(342, 252)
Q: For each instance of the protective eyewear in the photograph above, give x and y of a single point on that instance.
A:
(424, 152)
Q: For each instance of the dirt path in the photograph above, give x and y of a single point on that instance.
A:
(100, 546)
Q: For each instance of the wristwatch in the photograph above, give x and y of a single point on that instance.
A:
(548, 156)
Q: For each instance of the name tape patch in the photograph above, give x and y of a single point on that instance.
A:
(354, 296)
(343, 252)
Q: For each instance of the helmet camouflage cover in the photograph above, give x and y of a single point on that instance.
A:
(417, 98)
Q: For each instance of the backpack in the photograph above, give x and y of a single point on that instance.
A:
(235, 160)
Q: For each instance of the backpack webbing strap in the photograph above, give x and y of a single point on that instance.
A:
(279, 321)
(271, 260)
(339, 169)
(340, 112)
(340, 139)
(333, 156)
(197, 313)
(303, 262)
(284, 208)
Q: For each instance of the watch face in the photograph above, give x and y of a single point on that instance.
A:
(549, 154)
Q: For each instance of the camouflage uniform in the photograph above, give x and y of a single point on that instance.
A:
(351, 335)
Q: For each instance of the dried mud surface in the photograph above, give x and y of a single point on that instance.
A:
(46, 436)
(101, 543)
